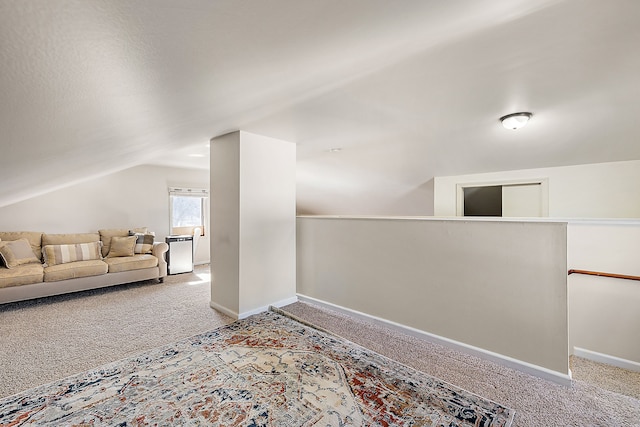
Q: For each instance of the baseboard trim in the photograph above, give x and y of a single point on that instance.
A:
(629, 365)
(264, 308)
(223, 310)
(245, 314)
(531, 369)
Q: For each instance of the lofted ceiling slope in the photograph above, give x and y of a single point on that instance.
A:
(408, 89)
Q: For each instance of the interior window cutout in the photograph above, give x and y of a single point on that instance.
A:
(483, 201)
(512, 200)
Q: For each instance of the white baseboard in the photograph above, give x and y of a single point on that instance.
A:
(223, 310)
(258, 310)
(248, 313)
(535, 370)
(629, 365)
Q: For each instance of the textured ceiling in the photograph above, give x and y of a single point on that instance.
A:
(408, 89)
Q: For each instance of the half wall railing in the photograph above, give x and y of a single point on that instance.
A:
(602, 274)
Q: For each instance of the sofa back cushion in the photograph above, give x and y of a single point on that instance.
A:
(34, 238)
(62, 254)
(69, 239)
(107, 234)
(17, 252)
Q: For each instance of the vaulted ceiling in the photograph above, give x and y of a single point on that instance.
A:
(407, 89)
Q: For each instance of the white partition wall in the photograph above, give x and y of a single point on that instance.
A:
(495, 288)
(253, 223)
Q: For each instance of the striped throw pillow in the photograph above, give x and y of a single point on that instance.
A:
(61, 254)
(144, 244)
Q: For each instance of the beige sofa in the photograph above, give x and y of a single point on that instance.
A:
(63, 263)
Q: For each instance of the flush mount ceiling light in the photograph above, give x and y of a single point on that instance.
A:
(515, 121)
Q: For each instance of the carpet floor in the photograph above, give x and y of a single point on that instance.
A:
(537, 402)
(266, 370)
(52, 338)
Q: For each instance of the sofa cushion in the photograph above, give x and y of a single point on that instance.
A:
(21, 275)
(34, 238)
(17, 252)
(122, 246)
(144, 242)
(107, 234)
(60, 254)
(72, 270)
(135, 262)
(69, 239)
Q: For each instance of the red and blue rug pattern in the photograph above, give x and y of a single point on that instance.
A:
(267, 370)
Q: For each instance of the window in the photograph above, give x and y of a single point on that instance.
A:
(187, 209)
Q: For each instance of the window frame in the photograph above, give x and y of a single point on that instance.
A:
(203, 195)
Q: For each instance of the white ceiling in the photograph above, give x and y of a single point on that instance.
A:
(408, 89)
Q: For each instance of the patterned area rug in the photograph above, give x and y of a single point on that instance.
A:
(267, 370)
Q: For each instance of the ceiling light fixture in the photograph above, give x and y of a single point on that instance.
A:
(515, 121)
(334, 150)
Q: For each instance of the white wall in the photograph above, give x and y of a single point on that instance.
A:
(602, 190)
(267, 221)
(134, 197)
(335, 191)
(495, 285)
(225, 223)
(253, 182)
(603, 312)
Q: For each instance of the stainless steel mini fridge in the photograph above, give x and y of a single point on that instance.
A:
(180, 255)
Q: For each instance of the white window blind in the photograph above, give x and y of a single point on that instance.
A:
(185, 191)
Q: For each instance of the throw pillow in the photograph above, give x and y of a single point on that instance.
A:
(61, 254)
(107, 234)
(144, 242)
(17, 252)
(122, 246)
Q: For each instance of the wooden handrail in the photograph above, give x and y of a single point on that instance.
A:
(599, 273)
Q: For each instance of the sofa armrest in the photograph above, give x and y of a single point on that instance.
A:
(159, 251)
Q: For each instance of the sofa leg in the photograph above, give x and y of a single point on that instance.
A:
(160, 279)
